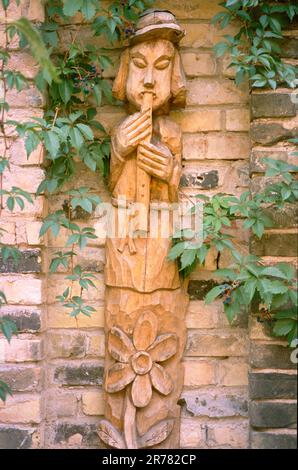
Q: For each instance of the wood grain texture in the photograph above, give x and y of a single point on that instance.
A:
(145, 300)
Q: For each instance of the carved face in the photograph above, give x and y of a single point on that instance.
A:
(150, 70)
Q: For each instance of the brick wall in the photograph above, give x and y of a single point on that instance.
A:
(58, 397)
(273, 375)
(22, 362)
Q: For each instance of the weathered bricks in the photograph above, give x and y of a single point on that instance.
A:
(29, 261)
(217, 403)
(81, 374)
(272, 105)
(275, 244)
(271, 385)
(270, 356)
(13, 437)
(274, 439)
(273, 414)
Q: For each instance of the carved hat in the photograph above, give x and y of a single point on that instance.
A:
(154, 23)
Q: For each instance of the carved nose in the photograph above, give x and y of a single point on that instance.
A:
(149, 80)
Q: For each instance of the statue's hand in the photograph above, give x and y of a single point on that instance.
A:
(132, 131)
(156, 160)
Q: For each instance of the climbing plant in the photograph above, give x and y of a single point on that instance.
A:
(255, 49)
(254, 53)
(75, 83)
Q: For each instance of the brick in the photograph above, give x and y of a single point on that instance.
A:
(270, 356)
(228, 435)
(201, 180)
(32, 9)
(259, 329)
(273, 439)
(232, 372)
(191, 9)
(13, 437)
(197, 289)
(275, 244)
(192, 434)
(271, 385)
(200, 315)
(268, 133)
(93, 403)
(198, 373)
(92, 259)
(18, 156)
(32, 232)
(57, 284)
(26, 98)
(7, 233)
(24, 63)
(208, 91)
(215, 146)
(27, 319)
(85, 435)
(237, 120)
(272, 105)
(22, 350)
(96, 345)
(58, 317)
(28, 262)
(30, 210)
(197, 121)
(215, 403)
(256, 157)
(61, 405)
(19, 409)
(197, 65)
(226, 343)
(273, 414)
(79, 374)
(27, 178)
(289, 48)
(67, 344)
(23, 290)
(287, 217)
(21, 379)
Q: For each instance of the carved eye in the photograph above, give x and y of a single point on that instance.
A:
(162, 64)
(141, 64)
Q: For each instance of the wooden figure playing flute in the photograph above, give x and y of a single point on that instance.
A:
(145, 299)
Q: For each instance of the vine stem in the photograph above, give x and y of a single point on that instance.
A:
(2, 119)
(130, 428)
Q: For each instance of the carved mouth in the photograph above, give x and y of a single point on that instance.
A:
(148, 91)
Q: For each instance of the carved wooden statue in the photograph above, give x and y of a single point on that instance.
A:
(145, 300)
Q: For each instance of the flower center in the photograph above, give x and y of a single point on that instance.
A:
(141, 362)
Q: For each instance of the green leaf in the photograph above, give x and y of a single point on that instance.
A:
(71, 7)
(213, 293)
(88, 9)
(76, 138)
(65, 89)
(4, 388)
(187, 258)
(8, 327)
(51, 142)
(283, 327)
(86, 131)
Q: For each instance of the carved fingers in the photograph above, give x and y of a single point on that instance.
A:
(133, 130)
(156, 161)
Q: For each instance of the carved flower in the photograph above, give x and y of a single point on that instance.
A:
(137, 360)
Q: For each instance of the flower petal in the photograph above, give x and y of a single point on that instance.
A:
(118, 376)
(141, 391)
(164, 347)
(145, 331)
(161, 380)
(119, 345)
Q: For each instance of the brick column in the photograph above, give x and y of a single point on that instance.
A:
(272, 377)
(21, 361)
